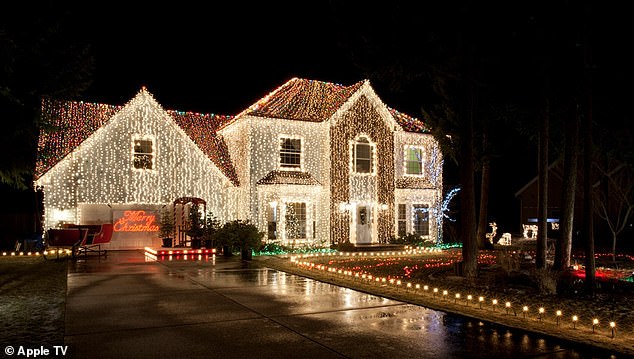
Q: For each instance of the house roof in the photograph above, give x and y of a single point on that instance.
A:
(69, 123)
(316, 101)
(201, 128)
(304, 100)
(409, 123)
(72, 122)
(288, 177)
(555, 168)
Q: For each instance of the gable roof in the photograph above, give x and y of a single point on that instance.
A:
(201, 128)
(288, 177)
(67, 125)
(304, 100)
(316, 101)
(70, 123)
(409, 123)
(556, 168)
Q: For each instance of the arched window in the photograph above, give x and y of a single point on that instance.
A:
(363, 156)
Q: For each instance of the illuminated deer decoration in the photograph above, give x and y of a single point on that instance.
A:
(494, 230)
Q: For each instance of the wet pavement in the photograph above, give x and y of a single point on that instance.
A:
(129, 306)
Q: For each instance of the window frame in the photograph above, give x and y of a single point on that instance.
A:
(372, 155)
(415, 226)
(401, 219)
(151, 154)
(281, 152)
(303, 230)
(406, 160)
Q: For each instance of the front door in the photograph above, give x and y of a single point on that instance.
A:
(364, 224)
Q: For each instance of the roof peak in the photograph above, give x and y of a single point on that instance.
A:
(303, 99)
(324, 81)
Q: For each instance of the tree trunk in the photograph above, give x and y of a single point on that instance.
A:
(467, 196)
(613, 246)
(542, 170)
(588, 207)
(483, 242)
(588, 204)
(566, 225)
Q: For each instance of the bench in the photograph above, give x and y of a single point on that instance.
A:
(67, 239)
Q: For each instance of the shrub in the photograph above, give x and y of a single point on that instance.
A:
(343, 247)
(239, 233)
(410, 239)
(272, 248)
(507, 262)
(195, 222)
(546, 281)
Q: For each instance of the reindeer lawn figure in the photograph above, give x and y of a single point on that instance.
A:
(494, 229)
(505, 240)
(530, 231)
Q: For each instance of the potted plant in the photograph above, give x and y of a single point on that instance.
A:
(226, 237)
(166, 227)
(249, 238)
(195, 226)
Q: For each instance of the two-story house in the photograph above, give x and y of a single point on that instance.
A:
(310, 163)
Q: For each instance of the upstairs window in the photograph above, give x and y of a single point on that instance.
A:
(414, 161)
(142, 153)
(290, 153)
(363, 156)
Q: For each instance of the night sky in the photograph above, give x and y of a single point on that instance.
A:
(211, 59)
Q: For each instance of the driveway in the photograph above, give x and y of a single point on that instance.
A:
(127, 306)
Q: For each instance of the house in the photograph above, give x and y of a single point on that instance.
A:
(311, 163)
(612, 191)
(528, 197)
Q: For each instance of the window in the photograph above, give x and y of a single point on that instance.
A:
(362, 153)
(143, 155)
(402, 220)
(272, 221)
(414, 161)
(296, 220)
(290, 153)
(314, 224)
(421, 219)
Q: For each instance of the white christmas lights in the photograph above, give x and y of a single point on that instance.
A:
(307, 129)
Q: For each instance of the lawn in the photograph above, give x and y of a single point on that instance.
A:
(32, 301)
(505, 275)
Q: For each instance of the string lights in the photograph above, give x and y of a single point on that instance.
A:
(328, 119)
(97, 175)
(439, 296)
(288, 159)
